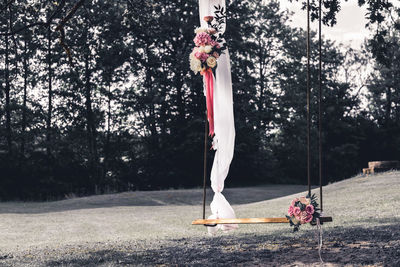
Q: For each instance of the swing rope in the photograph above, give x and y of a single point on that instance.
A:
(205, 167)
(308, 102)
(320, 103)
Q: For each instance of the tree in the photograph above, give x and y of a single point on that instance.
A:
(97, 96)
(339, 135)
(384, 89)
(8, 21)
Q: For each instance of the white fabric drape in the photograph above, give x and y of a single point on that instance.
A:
(224, 127)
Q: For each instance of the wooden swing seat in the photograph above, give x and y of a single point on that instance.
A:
(213, 222)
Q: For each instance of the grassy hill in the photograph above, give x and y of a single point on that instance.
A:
(154, 228)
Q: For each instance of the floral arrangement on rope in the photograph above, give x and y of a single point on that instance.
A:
(303, 210)
(210, 45)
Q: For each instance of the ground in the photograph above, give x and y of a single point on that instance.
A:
(153, 228)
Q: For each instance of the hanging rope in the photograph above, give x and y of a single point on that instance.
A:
(320, 104)
(205, 168)
(308, 101)
(319, 227)
(319, 236)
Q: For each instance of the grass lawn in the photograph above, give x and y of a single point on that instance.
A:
(153, 228)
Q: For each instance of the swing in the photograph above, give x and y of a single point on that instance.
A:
(215, 222)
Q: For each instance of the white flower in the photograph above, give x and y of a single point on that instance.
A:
(198, 30)
(208, 49)
(215, 143)
(195, 64)
(211, 62)
(201, 49)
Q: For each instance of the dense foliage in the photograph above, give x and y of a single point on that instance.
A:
(108, 103)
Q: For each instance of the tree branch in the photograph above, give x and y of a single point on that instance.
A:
(69, 15)
(60, 28)
(358, 92)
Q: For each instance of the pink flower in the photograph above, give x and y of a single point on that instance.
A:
(204, 56)
(215, 43)
(201, 55)
(202, 39)
(208, 18)
(291, 211)
(310, 209)
(197, 55)
(296, 211)
(304, 217)
(216, 55)
(294, 201)
(308, 218)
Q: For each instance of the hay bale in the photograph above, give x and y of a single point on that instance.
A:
(382, 166)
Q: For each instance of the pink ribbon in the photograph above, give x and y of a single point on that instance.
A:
(209, 79)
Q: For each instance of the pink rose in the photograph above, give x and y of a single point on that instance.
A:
(291, 211)
(305, 217)
(202, 39)
(294, 201)
(201, 55)
(308, 218)
(204, 56)
(208, 18)
(296, 211)
(310, 209)
(197, 55)
(215, 43)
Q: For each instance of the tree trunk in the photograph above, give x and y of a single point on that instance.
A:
(23, 123)
(50, 93)
(91, 127)
(180, 99)
(152, 124)
(388, 105)
(107, 143)
(261, 99)
(109, 114)
(7, 90)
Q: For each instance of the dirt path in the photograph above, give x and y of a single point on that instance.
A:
(376, 246)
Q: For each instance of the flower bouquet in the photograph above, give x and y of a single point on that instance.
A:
(303, 210)
(210, 45)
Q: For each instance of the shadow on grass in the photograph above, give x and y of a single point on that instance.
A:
(193, 197)
(378, 245)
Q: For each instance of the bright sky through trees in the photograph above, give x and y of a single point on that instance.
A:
(350, 28)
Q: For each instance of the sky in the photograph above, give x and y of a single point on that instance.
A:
(350, 28)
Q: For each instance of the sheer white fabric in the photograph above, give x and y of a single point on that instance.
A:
(224, 127)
